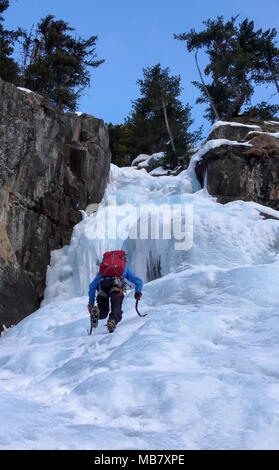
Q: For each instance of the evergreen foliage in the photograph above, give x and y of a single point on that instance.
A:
(120, 138)
(158, 120)
(9, 69)
(56, 64)
(263, 111)
(239, 57)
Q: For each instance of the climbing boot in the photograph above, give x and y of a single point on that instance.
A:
(111, 326)
(94, 317)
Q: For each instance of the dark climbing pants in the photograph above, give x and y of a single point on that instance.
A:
(113, 302)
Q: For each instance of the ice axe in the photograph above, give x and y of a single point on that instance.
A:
(139, 314)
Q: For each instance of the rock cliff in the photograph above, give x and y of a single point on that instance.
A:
(245, 164)
(52, 164)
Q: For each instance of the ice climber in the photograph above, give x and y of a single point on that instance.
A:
(109, 284)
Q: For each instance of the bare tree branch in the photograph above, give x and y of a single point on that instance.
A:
(206, 89)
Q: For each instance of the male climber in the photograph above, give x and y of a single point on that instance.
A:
(109, 286)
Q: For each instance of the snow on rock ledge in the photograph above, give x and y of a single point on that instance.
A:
(148, 162)
(159, 171)
(231, 130)
(235, 172)
(239, 130)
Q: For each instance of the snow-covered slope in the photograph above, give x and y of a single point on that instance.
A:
(199, 372)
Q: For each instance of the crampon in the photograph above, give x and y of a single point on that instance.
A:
(111, 326)
(94, 319)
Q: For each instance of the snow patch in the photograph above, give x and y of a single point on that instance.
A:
(237, 124)
(143, 161)
(25, 90)
(140, 158)
(159, 171)
(273, 134)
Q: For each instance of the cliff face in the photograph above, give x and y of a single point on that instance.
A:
(244, 166)
(51, 165)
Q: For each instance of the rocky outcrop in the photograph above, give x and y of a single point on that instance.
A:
(154, 164)
(231, 131)
(148, 162)
(246, 166)
(51, 166)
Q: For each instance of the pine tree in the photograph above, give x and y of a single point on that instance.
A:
(267, 67)
(159, 121)
(239, 57)
(220, 95)
(9, 69)
(120, 140)
(263, 111)
(57, 64)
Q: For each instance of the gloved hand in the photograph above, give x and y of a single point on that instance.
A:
(90, 307)
(138, 295)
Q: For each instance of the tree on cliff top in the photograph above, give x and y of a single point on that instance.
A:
(239, 57)
(120, 141)
(57, 64)
(268, 64)
(9, 70)
(159, 121)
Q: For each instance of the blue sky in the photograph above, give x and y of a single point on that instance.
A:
(137, 34)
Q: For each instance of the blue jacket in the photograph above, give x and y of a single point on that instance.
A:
(128, 274)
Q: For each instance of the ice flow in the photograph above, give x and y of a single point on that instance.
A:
(199, 372)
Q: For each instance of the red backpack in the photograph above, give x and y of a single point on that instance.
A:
(113, 263)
